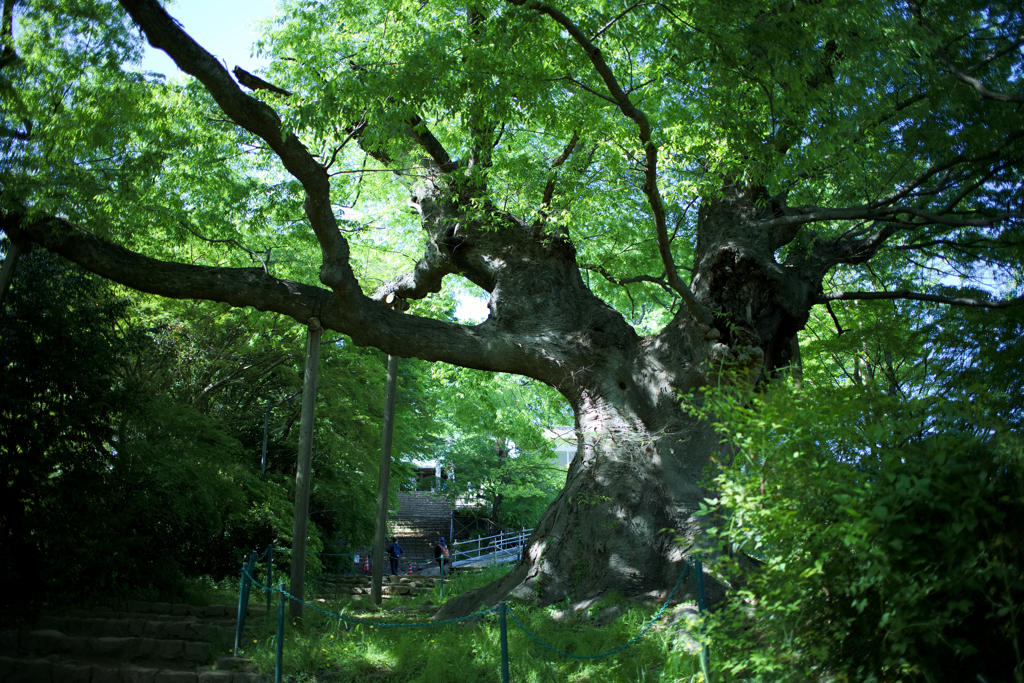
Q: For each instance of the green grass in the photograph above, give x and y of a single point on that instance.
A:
(464, 653)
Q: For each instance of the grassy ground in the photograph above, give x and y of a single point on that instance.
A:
(324, 648)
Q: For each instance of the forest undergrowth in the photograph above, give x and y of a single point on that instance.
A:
(324, 648)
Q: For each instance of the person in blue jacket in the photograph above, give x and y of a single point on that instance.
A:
(394, 552)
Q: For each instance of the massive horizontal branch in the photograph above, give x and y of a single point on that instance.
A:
(369, 323)
(917, 296)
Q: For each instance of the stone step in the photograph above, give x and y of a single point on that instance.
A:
(408, 590)
(46, 643)
(21, 670)
(421, 504)
(100, 626)
(348, 581)
(134, 609)
(417, 547)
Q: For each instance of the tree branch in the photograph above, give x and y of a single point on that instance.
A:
(422, 135)
(916, 296)
(996, 54)
(549, 188)
(13, 133)
(583, 86)
(7, 53)
(981, 243)
(979, 87)
(253, 256)
(426, 278)
(885, 211)
(650, 186)
(368, 323)
(622, 281)
(962, 76)
(163, 32)
(256, 83)
(839, 328)
(615, 19)
(811, 214)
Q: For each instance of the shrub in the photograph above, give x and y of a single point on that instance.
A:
(887, 538)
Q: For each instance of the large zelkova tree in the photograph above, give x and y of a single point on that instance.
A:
(647, 191)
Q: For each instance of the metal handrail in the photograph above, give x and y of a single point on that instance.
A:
(502, 542)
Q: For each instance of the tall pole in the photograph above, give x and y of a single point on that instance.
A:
(302, 470)
(266, 433)
(383, 481)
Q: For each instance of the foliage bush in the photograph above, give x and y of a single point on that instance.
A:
(869, 539)
(113, 484)
(323, 648)
(61, 343)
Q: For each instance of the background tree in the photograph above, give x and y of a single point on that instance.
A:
(60, 348)
(132, 437)
(494, 443)
(786, 155)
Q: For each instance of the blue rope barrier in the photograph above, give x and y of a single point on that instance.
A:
(620, 648)
(371, 622)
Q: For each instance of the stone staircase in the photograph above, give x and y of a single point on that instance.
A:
(132, 642)
(357, 588)
(421, 517)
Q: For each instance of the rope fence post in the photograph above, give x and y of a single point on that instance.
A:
(279, 661)
(503, 629)
(705, 657)
(251, 571)
(270, 574)
(240, 621)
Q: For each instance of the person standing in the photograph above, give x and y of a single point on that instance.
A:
(441, 554)
(394, 552)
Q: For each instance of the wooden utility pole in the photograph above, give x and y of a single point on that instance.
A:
(302, 471)
(384, 478)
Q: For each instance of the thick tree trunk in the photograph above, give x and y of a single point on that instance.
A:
(626, 518)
